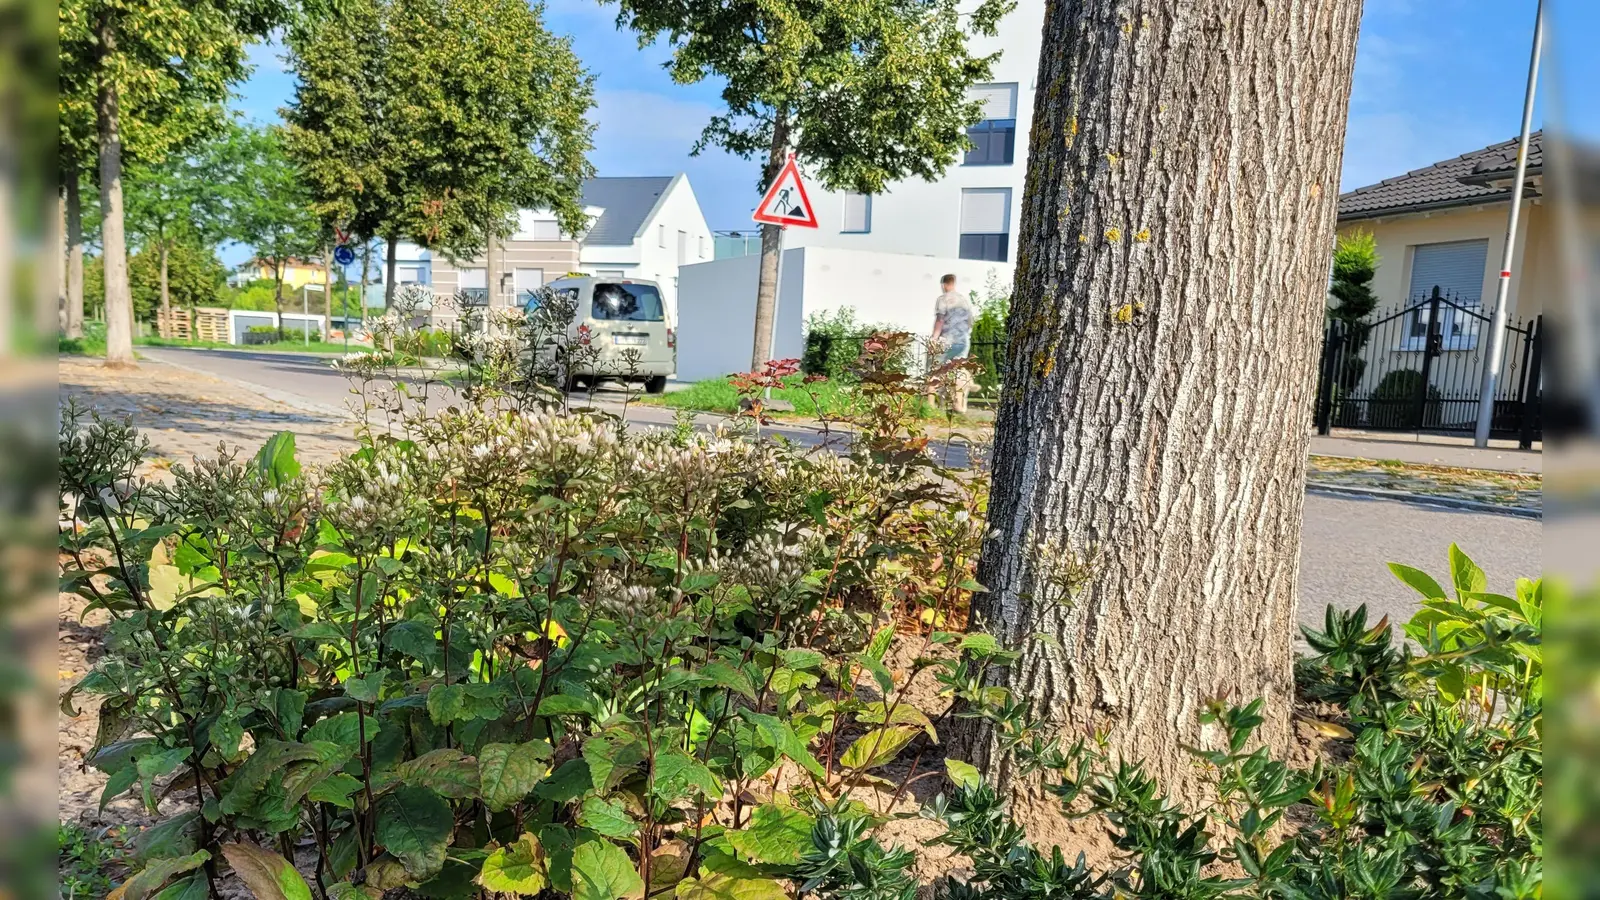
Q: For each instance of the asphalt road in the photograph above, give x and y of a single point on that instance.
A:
(1346, 544)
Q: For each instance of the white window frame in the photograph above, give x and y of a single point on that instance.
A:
(866, 214)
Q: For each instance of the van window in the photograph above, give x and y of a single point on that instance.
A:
(627, 302)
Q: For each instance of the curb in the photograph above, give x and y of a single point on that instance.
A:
(1337, 490)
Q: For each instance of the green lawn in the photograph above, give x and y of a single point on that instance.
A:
(95, 345)
(833, 399)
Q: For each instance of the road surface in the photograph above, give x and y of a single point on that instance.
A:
(1346, 541)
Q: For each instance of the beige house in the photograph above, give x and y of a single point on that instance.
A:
(537, 252)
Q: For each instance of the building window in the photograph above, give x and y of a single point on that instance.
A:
(702, 247)
(994, 137)
(474, 285)
(683, 247)
(526, 283)
(407, 274)
(857, 214)
(545, 230)
(986, 224)
(1456, 268)
(661, 235)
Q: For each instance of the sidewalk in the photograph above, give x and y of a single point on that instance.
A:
(1432, 450)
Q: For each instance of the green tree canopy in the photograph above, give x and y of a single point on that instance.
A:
(267, 207)
(194, 278)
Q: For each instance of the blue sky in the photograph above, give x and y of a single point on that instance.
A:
(1434, 78)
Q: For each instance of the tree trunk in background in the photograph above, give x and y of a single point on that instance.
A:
(388, 283)
(277, 297)
(366, 266)
(1151, 438)
(491, 277)
(74, 324)
(166, 296)
(113, 237)
(771, 243)
(327, 293)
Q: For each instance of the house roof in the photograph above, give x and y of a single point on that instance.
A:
(628, 203)
(1468, 179)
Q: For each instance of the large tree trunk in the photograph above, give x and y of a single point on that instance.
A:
(388, 276)
(771, 246)
(1150, 446)
(113, 236)
(166, 293)
(366, 267)
(74, 323)
(277, 297)
(491, 276)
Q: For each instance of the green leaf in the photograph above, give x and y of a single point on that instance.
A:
(611, 755)
(177, 836)
(568, 782)
(365, 688)
(779, 736)
(877, 747)
(268, 875)
(979, 643)
(192, 888)
(677, 774)
(1420, 581)
(1465, 572)
(414, 824)
(900, 714)
(465, 702)
(880, 673)
(719, 886)
(508, 772)
(447, 772)
(156, 874)
(602, 871)
(776, 834)
(275, 460)
(335, 789)
(305, 775)
(117, 784)
(878, 647)
(729, 677)
(344, 728)
(962, 774)
(607, 817)
(565, 705)
(517, 868)
(240, 788)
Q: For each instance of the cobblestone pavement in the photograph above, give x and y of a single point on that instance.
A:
(1513, 490)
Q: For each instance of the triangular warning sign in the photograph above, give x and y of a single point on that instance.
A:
(786, 202)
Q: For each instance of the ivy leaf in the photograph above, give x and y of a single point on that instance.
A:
(507, 772)
(268, 875)
(776, 834)
(156, 874)
(721, 886)
(779, 736)
(602, 871)
(447, 772)
(877, 747)
(517, 868)
(607, 817)
(677, 774)
(414, 824)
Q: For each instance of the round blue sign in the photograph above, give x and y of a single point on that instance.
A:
(343, 255)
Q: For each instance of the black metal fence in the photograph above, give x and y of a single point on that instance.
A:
(1418, 367)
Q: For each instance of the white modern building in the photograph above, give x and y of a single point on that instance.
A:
(972, 211)
(647, 228)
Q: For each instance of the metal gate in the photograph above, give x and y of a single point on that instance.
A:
(1419, 367)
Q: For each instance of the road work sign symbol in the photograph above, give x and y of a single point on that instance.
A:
(786, 202)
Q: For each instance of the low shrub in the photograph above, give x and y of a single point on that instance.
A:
(1394, 402)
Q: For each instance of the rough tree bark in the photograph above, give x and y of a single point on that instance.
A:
(113, 235)
(327, 292)
(166, 292)
(366, 266)
(388, 283)
(1149, 460)
(74, 323)
(771, 246)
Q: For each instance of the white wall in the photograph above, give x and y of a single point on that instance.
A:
(716, 319)
(921, 218)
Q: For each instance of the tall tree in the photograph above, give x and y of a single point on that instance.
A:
(866, 92)
(173, 201)
(267, 205)
(1355, 262)
(156, 72)
(1150, 445)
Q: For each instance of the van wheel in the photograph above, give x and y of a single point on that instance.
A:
(655, 385)
(576, 384)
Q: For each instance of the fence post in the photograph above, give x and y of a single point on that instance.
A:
(1326, 377)
(1431, 349)
(1531, 396)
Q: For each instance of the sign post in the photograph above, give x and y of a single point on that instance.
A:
(785, 203)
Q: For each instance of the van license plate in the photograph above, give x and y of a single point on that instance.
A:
(630, 340)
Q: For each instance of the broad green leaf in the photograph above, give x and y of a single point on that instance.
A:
(718, 886)
(192, 888)
(449, 773)
(878, 647)
(1420, 581)
(677, 774)
(507, 772)
(729, 677)
(365, 688)
(880, 673)
(414, 824)
(177, 836)
(980, 643)
(1465, 573)
(240, 788)
(267, 875)
(607, 817)
(336, 789)
(565, 705)
(117, 784)
(877, 747)
(610, 756)
(602, 871)
(779, 736)
(776, 834)
(517, 868)
(276, 461)
(568, 782)
(962, 774)
(344, 890)
(307, 774)
(465, 702)
(900, 714)
(348, 728)
(157, 873)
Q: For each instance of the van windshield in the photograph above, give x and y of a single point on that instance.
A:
(627, 302)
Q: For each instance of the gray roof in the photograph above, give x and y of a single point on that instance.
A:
(1465, 180)
(627, 202)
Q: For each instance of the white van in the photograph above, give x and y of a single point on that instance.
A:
(616, 316)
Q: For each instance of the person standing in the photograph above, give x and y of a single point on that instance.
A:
(952, 337)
